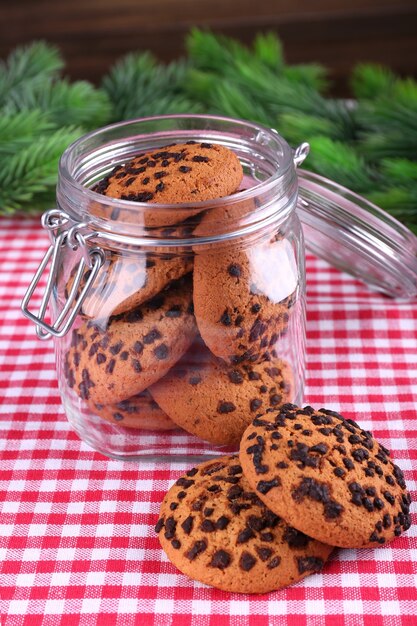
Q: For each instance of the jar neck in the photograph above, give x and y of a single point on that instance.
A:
(266, 197)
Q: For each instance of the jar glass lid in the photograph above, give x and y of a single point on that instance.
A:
(357, 237)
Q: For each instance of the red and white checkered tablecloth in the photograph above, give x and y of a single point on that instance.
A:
(77, 546)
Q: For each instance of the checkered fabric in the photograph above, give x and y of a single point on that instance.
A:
(77, 545)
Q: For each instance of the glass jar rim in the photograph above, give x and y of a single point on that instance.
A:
(265, 135)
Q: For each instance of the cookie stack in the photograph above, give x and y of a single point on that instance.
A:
(189, 339)
(305, 481)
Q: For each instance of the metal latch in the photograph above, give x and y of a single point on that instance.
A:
(91, 260)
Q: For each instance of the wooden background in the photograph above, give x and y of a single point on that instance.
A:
(92, 34)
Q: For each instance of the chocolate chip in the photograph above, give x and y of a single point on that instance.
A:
(207, 526)
(118, 417)
(273, 563)
(378, 503)
(146, 180)
(389, 497)
(309, 564)
(263, 553)
(136, 366)
(220, 559)
(173, 506)
(160, 186)
(187, 524)
(115, 349)
(244, 535)
(226, 407)
(101, 358)
(181, 495)
(275, 399)
(161, 352)
(348, 463)
(361, 454)
(170, 528)
(195, 380)
(184, 482)
(255, 404)
(176, 544)
(234, 270)
(159, 175)
(196, 549)
(159, 525)
(295, 538)
(206, 145)
(386, 520)
(246, 561)
(200, 159)
(235, 377)
(174, 311)
(222, 522)
(214, 488)
(367, 503)
(184, 169)
(110, 366)
(208, 511)
(225, 319)
(264, 486)
(134, 316)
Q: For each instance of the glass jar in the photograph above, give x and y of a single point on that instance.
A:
(175, 325)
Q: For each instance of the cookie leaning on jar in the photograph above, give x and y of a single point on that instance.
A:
(241, 312)
(216, 401)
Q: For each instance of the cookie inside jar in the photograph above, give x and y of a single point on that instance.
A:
(195, 322)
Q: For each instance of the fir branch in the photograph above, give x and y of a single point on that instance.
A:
(267, 49)
(399, 202)
(138, 87)
(65, 103)
(370, 81)
(216, 53)
(32, 172)
(341, 163)
(299, 127)
(311, 75)
(28, 67)
(400, 171)
(18, 130)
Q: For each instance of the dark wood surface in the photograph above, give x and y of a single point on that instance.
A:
(92, 34)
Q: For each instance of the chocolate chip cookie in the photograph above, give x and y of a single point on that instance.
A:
(242, 311)
(215, 529)
(181, 173)
(125, 282)
(140, 411)
(216, 401)
(135, 349)
(327, 476)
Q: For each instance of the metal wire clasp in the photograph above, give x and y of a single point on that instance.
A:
(301, 153)
(91, 259)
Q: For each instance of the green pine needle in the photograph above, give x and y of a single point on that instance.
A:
(341, 163)
(368, 145)
(267, 49)
(33, 170)
(19, 130)
(65, 103)
(27, 67)
(311, 75)
(370, 81)
(138, 87)
(400, 171)
(401, 203)
(299, 127)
